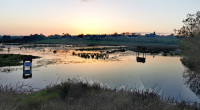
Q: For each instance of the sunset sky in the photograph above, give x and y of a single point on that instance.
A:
(24, 17)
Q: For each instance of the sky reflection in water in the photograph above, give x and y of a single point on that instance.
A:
(163, 74)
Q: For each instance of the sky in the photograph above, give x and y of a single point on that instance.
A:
(24, 17)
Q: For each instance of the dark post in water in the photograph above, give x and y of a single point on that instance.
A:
(27, 68)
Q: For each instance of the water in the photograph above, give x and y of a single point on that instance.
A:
(118, 69)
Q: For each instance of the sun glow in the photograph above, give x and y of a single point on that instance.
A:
(25, 17)
(90, 25)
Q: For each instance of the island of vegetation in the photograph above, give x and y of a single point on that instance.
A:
(13, 59)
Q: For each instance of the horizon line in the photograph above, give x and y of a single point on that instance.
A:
(143, 33)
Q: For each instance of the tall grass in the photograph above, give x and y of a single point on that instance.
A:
(78, 95)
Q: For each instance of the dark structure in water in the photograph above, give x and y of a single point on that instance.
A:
(141, 59)
(27, 68)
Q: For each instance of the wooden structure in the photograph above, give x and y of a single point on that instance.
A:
(141, 59)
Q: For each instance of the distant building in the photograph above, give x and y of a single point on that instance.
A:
(151, 35)
(171, 35)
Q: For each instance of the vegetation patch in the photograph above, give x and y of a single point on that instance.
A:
(13, 59)
(78, 95)
(140, 41)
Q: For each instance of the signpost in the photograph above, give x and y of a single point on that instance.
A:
(27, 68)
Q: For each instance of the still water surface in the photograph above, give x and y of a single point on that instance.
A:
(163, 74)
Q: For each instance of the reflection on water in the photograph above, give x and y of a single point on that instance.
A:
(7, 69)
(92, 55)
(54, 51)
(192, 79)
(8, 49)
(59, 51)
(192, 73)
(191, 60)
(27, 76)
(141, 59)
(116, 67)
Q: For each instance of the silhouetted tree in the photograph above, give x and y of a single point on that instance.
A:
(191, 25)
(190, 47)
(34, 37)
(80, 36)
(65, 35)
(191, 31)
(56, 36)
(6, 38)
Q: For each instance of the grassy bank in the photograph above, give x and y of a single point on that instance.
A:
(73, 95)
(13, 59)
(115, 41)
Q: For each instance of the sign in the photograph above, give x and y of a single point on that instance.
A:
(27, 63)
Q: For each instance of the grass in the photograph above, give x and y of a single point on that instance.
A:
(13, 59)
(76, 95)
(140, 41)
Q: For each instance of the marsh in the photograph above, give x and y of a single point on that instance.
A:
(161, 72)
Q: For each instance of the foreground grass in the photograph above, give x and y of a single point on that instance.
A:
(12, 59)
(73, 95)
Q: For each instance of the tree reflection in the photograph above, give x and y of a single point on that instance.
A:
(191, 60)
(92, 55)
(192, 76)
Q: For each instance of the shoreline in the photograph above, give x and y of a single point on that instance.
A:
(76, 95)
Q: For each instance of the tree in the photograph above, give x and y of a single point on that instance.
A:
(6, 38)
(34, 37)
(190, 47)
(191, 25)
(81, 36)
